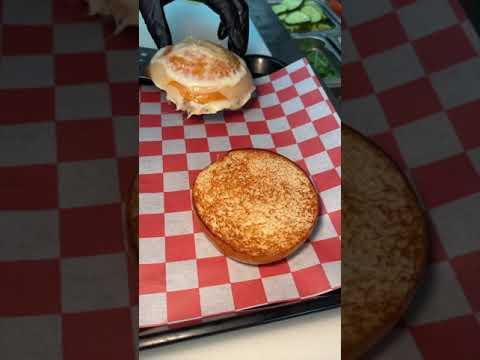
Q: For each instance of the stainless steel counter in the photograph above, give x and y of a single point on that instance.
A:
(278, 39)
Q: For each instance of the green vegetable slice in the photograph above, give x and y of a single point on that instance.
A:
(292, 28)
(321, 64)
(296, 18)
(312, 3)
(279, 8)
(317, 7)
(282, 16)
(292, 4)
(321, 27)
(314, 13)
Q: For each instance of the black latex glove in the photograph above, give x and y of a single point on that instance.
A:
(233, 15)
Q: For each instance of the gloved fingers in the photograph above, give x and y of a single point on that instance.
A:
(238, 39)
(224, 9)
(222, 31)
(239, 47)
(156, 22)
(234, 23)
(242, 10)
(244, 28)
(239, 33)
(230, 22)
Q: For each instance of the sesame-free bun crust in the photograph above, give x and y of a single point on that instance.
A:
(256, 206)
(384, 244)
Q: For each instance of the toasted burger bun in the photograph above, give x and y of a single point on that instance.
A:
(256, 206)
(384, 244)
(132, 216)
(201, 77)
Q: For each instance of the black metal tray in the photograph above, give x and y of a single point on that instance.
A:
(472, 10)
(262, 315)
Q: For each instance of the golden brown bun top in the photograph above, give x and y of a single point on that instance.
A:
(202, 60)
(200, 77)
(259, 202)
(383, 245)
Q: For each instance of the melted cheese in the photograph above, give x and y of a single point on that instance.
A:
(192, 95)
(201, 64)
(201, 77)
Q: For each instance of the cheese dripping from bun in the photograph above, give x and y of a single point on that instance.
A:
(200, 77)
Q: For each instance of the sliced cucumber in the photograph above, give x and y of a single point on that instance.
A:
(292, 28)
(311, 3)
(313, 13)
(279, 8)
(297, 18)
(317, 8)
(321, 27)
(292, 4)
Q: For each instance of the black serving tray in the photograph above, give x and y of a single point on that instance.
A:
(472, 9)
(257, 316)
(284, 50)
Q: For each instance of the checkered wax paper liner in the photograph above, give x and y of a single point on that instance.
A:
(68, 154)
(182, 276)
(411, 73)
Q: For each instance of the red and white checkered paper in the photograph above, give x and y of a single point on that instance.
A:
(411, 83)
(68, 154)
(182, 277)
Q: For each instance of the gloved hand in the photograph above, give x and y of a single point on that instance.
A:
(233, 15)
